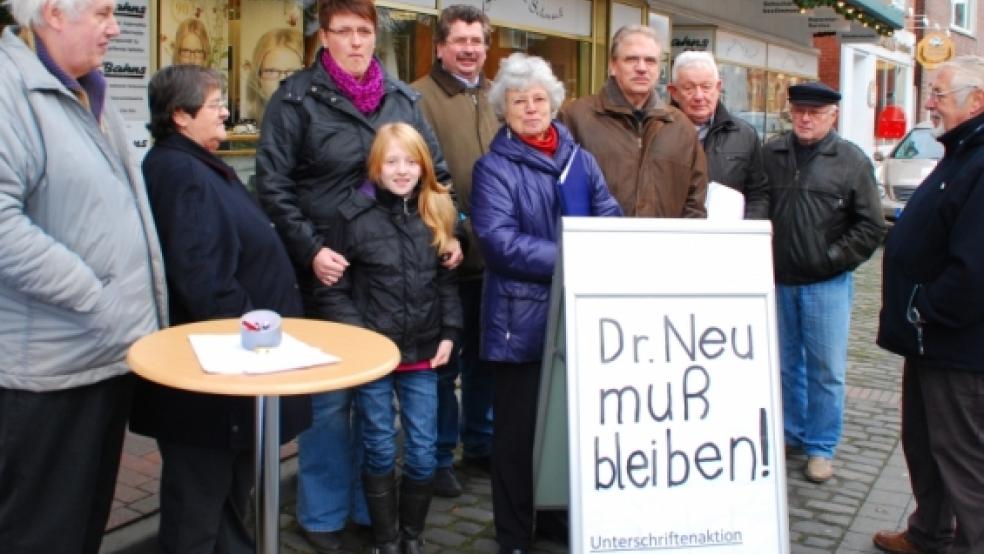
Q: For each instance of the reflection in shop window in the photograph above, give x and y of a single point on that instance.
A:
(568, 58)
(405, 44)
(777, 118)
(258, 43)
(743, 93)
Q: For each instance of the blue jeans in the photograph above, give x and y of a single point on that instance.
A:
(329, 489)
(475, 427)
(417, 394)
(814, 321)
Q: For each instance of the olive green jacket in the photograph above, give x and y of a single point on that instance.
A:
(464, 124)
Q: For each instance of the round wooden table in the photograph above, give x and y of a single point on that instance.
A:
(166, 357)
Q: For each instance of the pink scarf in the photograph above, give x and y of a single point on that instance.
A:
(365, 95)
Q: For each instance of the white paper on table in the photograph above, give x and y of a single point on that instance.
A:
(224, 354)
(724, 203)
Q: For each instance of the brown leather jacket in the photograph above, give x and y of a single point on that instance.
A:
(654, 168)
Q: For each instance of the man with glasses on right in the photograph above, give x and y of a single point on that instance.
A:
(933, 315)
(826, 218)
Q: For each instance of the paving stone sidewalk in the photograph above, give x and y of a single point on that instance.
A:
(870, 491)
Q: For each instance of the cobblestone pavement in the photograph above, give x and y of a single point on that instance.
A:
(869, 492)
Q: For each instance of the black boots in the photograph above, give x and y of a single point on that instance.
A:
(415, 498)
(384, 512)
(381, 497)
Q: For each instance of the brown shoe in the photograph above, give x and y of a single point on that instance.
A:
(819, 469)
(894, 542)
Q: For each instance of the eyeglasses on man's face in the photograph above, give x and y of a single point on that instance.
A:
(276, 74)
(691, 89)
(937, 94)
(461, 42)
(813, 112)
(349, 32)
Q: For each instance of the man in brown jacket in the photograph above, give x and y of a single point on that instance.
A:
(455, 103)
(647, 150)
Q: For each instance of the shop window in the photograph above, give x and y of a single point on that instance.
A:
(258, 43)
(568, 58)
(744, 94)
(405, 43)
(890, 93)
(963, 14)
(777, 118)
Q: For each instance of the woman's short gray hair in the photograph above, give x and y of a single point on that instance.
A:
(968, 74)
(29, 12)
(520, 72)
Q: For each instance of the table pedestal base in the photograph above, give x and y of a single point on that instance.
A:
(267, 474)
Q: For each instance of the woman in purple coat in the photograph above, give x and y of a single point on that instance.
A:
(517, 201)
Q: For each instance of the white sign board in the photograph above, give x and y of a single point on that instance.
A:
(673, 395)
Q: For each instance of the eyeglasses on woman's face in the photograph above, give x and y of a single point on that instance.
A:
(276, 74)
(347, 33)
(191, 53)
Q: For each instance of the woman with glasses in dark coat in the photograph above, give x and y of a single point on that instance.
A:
(222, 259)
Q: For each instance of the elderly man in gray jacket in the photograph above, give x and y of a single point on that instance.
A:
(80, 277)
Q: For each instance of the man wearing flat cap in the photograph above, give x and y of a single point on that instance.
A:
(826, 220)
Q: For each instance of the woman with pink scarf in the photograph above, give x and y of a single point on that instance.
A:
(314, 142)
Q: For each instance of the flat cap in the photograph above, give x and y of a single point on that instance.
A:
(813, 93)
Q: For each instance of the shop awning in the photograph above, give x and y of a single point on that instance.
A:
(882, 12)
(878, 14)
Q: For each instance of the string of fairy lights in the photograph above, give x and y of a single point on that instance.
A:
(848, 12)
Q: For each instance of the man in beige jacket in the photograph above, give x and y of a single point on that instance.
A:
(647, 150)
(455, 103)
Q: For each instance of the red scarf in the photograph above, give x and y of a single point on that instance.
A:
(547, 145)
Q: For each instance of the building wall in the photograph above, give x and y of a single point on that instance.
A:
(830, 59)
(937, 14)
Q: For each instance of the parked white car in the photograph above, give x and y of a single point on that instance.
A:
(912, 159)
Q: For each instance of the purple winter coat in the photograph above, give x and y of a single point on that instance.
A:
(515, 214)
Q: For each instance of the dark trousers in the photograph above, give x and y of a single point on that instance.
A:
(204, 499)
(943, 441)
(475, 424)
(515, 399)
(59, 457)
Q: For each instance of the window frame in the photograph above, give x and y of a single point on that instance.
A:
(970, 16)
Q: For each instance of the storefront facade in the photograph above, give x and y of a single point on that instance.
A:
(762, 47)
(256, 43)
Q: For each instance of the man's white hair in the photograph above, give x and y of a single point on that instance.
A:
(692, 58)
(968, 74)
(29, 12)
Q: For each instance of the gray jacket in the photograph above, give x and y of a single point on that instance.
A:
(81, 276)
